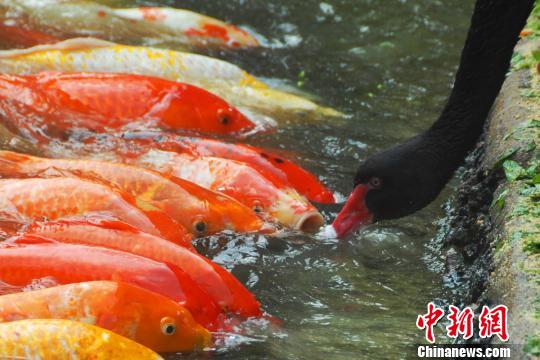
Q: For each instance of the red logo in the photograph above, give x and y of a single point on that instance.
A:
(494, 322)
(461, 322)
(491, 322)
(429, 320)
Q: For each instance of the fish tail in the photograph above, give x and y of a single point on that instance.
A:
(12, 165)
(330, 112)
(29, 239)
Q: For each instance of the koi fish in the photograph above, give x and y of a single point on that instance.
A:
(151, 24)
(146, 317)
(31, 257)
(217, 76)
(101, 102)
(241, 182)
(202, 30)
(66, 339)
(26, 200)
(274, 167)
(194, 207)
(217, 282)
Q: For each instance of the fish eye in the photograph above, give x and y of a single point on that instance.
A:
(257, 207)
(224, 117)
(375, 183)
(168, 326)
(200, 226)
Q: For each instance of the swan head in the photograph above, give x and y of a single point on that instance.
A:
(392, 184)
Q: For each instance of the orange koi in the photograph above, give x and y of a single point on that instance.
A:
(241, 182)
(274, 167)
(217, 282)
(197, 209)
(23, 201)
(148, 318)
(30, 257)
(102, 102)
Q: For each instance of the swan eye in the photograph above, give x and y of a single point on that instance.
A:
(375, 183)
(168, 326)
(200, 226)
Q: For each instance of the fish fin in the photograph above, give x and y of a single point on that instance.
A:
(71, 44)
(12, 164)
(169, 228)
(95, 220)
(113, 225)
(28, 239)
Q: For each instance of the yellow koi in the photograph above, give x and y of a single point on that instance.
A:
(65, 339)
(217, 76)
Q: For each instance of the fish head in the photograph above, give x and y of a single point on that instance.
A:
(164, 325)
(294, 211)
(240, 37)
(214, 31)
(205, 112)
(230, 214)
(275, 202)
(221, 212)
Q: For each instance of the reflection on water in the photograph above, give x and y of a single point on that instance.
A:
(389, 64)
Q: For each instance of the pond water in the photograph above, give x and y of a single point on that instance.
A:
(389, 65)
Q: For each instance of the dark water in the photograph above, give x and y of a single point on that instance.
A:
(389, 64)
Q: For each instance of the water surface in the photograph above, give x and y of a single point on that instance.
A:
(389, 65)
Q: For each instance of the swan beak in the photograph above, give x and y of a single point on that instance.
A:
(354, 214)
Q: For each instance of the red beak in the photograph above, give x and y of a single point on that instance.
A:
(354, 214)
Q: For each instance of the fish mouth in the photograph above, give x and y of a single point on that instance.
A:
(354, 214)
(204, 339)
(294, 211)
(309, 222)
(267, 229)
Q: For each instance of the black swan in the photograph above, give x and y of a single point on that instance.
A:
(405, 178)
